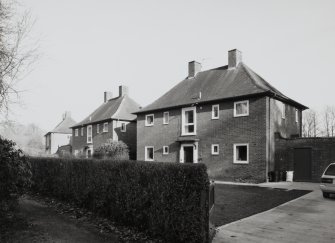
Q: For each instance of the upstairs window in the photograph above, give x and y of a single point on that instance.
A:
(149, 120)
(166, 117)
(296, 115)
(215, 149)
(165, 149)
(215, 111)
(82, 132)
(188, 120)
(283, 110)
(149, 153)
(76, 132)
(89, 134)
(241, 108)
(98, 128)
(123, 127)
(241, 153)
(105, 127)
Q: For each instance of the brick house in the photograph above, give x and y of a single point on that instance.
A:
(60, 135)
(111, 120)
(225, 117)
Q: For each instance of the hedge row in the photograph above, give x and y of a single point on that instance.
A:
(168, 200)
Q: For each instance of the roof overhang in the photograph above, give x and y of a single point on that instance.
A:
(182, 139)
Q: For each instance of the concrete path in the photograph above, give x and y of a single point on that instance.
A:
(310, 218)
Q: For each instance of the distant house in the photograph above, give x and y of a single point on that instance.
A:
(111, 120)
(64, 150)
(60, 135)
(225, 117)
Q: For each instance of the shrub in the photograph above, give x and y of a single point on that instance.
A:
(114, 150)
(168, 200)
(14, 175)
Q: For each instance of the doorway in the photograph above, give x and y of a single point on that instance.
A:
(189, 153)
(302, 164)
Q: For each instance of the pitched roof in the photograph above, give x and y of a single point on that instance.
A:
(216, 84)
(64, 126)
(120, 107)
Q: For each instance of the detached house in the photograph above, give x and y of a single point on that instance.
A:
(225, 117)
(111, 120)
(60, 135)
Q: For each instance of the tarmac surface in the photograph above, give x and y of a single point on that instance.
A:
(310, 218)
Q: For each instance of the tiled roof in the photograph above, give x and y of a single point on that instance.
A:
(64, 126)
(216, 84)
(116, 108)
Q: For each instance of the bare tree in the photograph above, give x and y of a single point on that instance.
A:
(310, 124)
(328, 121)
(17, 53)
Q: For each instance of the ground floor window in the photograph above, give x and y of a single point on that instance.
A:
(165, 149)
(149, 153)
(241, 153)
(215, 149)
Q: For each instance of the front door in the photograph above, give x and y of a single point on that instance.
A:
(188, 154)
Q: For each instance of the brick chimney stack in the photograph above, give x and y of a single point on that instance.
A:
(107, 96)
(193, 68)
(234, 58)
(123, 90)
(66, 114)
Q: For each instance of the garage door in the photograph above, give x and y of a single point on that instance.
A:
(302, 164)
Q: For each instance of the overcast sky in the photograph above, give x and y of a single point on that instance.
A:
(90, 46)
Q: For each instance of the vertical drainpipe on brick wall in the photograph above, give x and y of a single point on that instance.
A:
(268, 141)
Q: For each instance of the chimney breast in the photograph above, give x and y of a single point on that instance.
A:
(234, 58)
(123, 90)
(193, 68)
(107, 96)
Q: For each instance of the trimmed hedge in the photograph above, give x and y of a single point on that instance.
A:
(168, 200)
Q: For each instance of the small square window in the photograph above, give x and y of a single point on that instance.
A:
(123, 127)
(165, 149)
(241, 108)
(82, 132)
(76, 132)
(149, 153)
(149, 120)
(105, 128)
(215, 111)
(215, 149)
(241, 153)
(98, 128)
(166, 117)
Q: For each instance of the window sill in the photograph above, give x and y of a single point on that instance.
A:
(241, 162)
(188, 134)
(149, 125)
(241, 115)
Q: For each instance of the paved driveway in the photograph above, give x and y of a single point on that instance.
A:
(310, 218)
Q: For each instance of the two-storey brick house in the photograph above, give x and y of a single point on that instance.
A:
(111, 120)
(224, 117)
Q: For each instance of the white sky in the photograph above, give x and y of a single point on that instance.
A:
(89, 46)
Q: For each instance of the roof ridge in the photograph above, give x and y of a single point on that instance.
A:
(245, 68)
(118, 109)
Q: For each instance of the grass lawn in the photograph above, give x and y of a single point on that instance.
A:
(234, 202)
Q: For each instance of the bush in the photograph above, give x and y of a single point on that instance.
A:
(114, 150)
(14, 175)
(168, 200)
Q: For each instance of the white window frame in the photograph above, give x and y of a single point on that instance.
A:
(105, 127)
(125, 128)
(146, 120)
(296, 115)
(76, 132)
(283, 110)
(89, 135)
(213, 113)
(212, 148)
(146, 153)
(239, 161)
(183, 110)
(82, 131)
(240, 102)
(98, 128)
(166, 152)
(166, 121)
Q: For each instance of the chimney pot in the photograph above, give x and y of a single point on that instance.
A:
(107, 96)
(193, 68)
(66, 114)
(123, 90)
(234, 58)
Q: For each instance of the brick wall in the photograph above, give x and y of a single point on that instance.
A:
(323, 153)
(226, 131)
